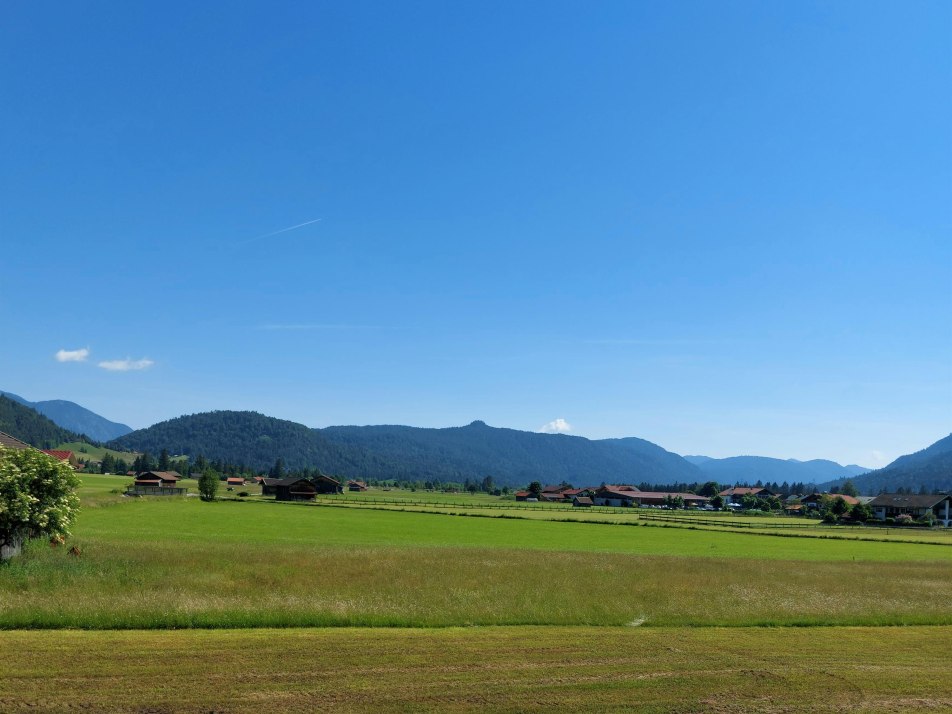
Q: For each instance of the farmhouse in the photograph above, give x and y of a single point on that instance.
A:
(356, 486)
(62, 455)
(616, 496)
(890, 505)
(156, 483)
(815, 499)
(522, 495)
(11, 442)
(734, 494)
(661, 498)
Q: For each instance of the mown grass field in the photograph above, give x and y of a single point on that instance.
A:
(173, 562)
(515, 669)
(500, 614)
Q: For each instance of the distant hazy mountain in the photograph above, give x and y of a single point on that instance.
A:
(750, 469)
(75, 418)
(28, 425)
(931, 467)
(511, 457)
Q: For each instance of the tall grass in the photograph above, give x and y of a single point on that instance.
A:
(165, 585)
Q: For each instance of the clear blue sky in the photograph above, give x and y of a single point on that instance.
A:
(725, 227)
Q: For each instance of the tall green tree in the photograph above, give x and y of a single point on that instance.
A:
(849, 488)
(208, 485)
(164, 464)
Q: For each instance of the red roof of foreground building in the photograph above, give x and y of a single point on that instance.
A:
(60, 454)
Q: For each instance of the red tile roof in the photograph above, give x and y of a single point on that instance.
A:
(60, 454)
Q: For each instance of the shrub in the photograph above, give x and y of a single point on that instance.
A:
(242, 494)
(37, 497)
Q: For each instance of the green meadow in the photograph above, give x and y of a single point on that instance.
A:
(249, 605)
(178, 562)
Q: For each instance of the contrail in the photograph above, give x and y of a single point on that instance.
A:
(283, 230)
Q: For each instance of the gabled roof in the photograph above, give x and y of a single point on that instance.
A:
(742, 490)
(617, 492)
(522, 493)
(322, 477)
(61, 454)
(832, 496)
(235, 479)
(290, 481)
(554, 489)
(11, 442)
(908, 500)
(585, 500)
(664, 494)
(164, 475)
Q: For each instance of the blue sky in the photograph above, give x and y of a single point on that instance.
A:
(724, 227)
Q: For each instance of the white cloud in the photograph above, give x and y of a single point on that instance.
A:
(126, 365)
(557, 426)
(72, 355)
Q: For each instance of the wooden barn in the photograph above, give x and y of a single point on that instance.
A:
(293, 489)
(326, 484)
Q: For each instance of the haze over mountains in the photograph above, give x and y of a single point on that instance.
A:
(511, 457)
(77, 419)
(739, 469)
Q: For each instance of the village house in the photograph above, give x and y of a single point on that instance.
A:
(615, 496)
(62, 455)
(156, 483)
(661, 498)
(11, 442)
(734, 494)
(890, 505)
(815, 499)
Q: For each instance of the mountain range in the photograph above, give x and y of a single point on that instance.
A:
(750, 469)
(511, 457)
(930, 468)
(77, 419)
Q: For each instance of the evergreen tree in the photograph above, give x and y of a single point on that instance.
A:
(164, 464)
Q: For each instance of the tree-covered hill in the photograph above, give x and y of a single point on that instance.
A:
(511, 457)
(30, 426)
(246, 438)
(930, 468)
